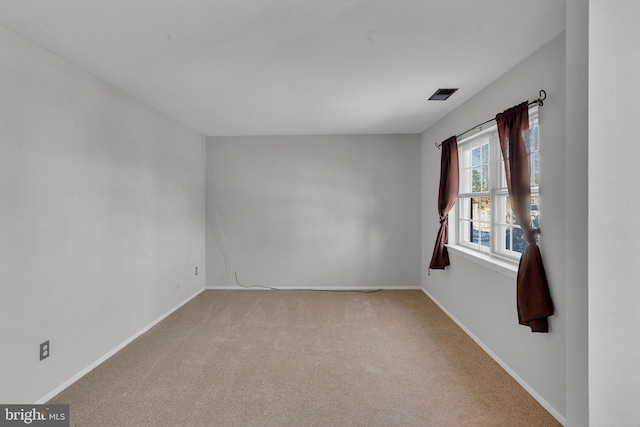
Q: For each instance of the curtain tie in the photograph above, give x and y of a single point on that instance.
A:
(443, 219)
(532, 235)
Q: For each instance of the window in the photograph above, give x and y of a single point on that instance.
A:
(484, 221)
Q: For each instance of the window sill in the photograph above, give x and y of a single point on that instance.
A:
(503, 267)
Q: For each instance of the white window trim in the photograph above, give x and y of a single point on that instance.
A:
(502, 266)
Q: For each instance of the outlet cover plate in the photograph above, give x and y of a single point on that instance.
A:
(45, 350)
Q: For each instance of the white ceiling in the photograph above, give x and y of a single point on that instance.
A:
(287, 67)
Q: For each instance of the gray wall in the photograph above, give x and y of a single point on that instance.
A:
(101, 218)
(314, 211)
(481, 299)
(576, 204)
(614, 206)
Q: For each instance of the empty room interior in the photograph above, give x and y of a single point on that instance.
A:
(237, 213)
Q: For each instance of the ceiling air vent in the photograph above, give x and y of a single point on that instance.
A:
(442, 94)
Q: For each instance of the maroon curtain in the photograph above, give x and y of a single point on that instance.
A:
(532, 290)
(447, 196)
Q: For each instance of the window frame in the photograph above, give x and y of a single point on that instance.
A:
(497, 188)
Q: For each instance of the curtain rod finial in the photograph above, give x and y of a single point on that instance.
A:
(543, 96)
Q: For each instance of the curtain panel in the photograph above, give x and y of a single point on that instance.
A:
(447, 197)
(533, 299)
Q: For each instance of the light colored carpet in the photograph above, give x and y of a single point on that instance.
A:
(300, 358)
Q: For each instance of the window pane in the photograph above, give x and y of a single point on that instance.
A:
(476, 178)
(507, 238)
(535, 210)
(535, 169)
(485, 238)
(480, 234)
(475, 233)
(513, 234)
(518, 243)
(510, 219)
(485, 178)
(481, 216)
(481, 209)
(485, 154)
(475, 157)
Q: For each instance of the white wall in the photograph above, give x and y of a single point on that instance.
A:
(481, 299)
(315, 211)
(101, 218)
(614, 206)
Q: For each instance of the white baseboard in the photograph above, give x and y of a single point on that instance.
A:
(89, 368)
(546, 405)
(316, 288)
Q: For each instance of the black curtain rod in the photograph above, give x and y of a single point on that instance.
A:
(542, 96)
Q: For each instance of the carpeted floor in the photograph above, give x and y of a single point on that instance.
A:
(300, 358)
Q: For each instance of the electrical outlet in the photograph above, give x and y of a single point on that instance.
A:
(45, 350)
(196, 271)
